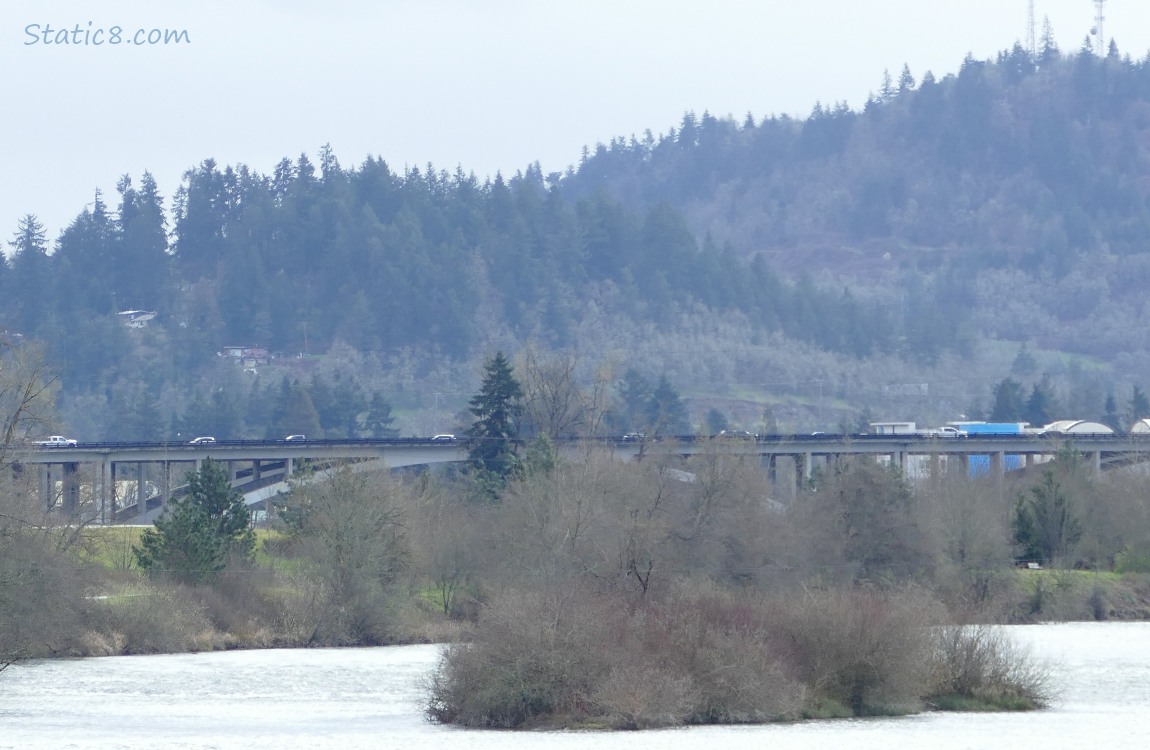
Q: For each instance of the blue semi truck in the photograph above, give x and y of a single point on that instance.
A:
(980, 463)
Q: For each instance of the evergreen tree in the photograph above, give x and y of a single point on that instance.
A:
(379, 420)
(886, 88)
(1048, 52)
(905, 80)
(1046, 523)
(1040, 407)
(140, 271)
(634, 395)
(197, 534)
(496, 409)
(666, 412)
(1111, 418)
(1008, 402)
(716, 421)
(298, 415)
(30, 282)
(1139, 406)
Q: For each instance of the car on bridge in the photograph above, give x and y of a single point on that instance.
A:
(295, 438)
(56, 441)
(444, 438)
(202, 440)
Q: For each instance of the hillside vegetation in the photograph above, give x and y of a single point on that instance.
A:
(889, 261)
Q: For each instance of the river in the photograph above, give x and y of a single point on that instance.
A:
(370, 698)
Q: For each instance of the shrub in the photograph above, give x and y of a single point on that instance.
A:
(156, 619)
(642, 697)
(535, 655)
(862, 649)
(978, 667)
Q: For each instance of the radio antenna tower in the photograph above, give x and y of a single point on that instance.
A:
(1031, 40)
(1099, 17)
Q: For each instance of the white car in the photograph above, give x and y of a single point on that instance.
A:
(57, 441)
(203, 440)
(444, 438)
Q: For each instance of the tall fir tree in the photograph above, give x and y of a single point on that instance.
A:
(496, 409)
(198, 534)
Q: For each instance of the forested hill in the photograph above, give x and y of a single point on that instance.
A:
(1013, 162)
(1004, 203)
(1013, 193)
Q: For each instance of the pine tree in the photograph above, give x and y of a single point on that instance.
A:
(1110, 418)
(666, 413)
(1041, 407)
(379, 420)
(1139, 406)
(197, 534)
(1008, 402)
(1048, 52)
(1046, 523)
(31, 277)
(496, 409)
(905, 80)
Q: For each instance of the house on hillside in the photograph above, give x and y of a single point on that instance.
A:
(248, 356)
(136, 318)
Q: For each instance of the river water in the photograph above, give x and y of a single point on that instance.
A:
(371, 698)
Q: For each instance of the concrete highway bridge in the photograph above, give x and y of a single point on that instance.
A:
(130, 482)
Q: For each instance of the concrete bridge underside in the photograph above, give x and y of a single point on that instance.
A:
(130, 483)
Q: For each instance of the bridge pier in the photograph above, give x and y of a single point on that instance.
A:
(141, 492)
(46, 488)
(70, 488)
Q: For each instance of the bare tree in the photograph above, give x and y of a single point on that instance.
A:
(27, 396)
(553, 400)
(352, 527)
(40, 588)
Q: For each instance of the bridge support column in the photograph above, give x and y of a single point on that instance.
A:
(1095, 458)
(100, 491)
(768, 463)
(113, 492)
(289, 468)
(166, 484)
(141, 492)
(46, 488)
(70, 488)
(802, 471)
(997, 464)
(256, 477)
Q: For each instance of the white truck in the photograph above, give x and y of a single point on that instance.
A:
(56, 441)
(910, 428)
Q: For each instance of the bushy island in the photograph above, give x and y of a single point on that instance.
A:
(707, 656)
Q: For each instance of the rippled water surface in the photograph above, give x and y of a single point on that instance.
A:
(370, 698)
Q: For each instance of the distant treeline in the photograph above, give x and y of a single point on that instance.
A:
(1006, 201)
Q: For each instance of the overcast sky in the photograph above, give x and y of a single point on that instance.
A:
(486, 85)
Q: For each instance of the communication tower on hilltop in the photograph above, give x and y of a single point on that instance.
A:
(1031, 40)
(1099, 18)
